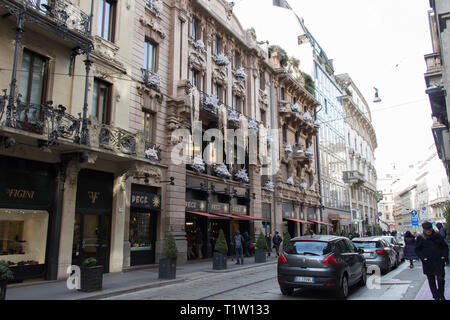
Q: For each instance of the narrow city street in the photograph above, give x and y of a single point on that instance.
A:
(260, 283)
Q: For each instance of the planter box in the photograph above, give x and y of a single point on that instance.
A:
(167, 268)
(27, 272)
(219, 261)
(91, 278)
(3, 284)
(260, 255)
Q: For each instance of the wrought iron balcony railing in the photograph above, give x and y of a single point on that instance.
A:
(155, 6)
(353, 177)
(65, 14)
(151, 79)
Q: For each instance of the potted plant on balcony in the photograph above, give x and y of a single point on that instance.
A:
(168, 264)
(91, 275)
(220, 252)
(261, 249)
(5, 275)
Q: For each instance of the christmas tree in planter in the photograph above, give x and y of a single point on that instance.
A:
(168, 264)
(286, 239)
(91, 275)
(261, 248)
(220, 252)
(5, 275)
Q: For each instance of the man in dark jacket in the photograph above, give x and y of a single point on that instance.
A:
(433, 251)
(269, 243)
(238, 243)
(276, 242)
(443, 233)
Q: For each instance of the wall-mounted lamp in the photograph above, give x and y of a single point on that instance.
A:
(171, 181)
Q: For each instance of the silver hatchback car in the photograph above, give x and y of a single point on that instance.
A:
(377, 252)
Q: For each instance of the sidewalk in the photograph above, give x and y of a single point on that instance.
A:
(124, 282)
(425, 293)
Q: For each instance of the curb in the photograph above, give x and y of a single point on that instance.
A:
(132, 289)
(240, 268)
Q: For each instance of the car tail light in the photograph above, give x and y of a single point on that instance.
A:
(282, 259)
(381, 252)
(329, 284)
(330, 260)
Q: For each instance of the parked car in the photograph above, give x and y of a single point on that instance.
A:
(377, 252)
(321, 262)
(398, 247)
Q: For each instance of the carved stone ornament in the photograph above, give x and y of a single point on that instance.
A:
(153, 25)
(73, 168)
(139, 170)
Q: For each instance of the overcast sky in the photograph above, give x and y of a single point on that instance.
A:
(378, 43)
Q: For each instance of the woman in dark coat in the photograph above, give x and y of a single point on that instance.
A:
(410, 249)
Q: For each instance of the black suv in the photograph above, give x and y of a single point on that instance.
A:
(321, 262)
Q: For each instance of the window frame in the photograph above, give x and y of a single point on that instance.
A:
(112, 20)
(29, 80)
(108, 101)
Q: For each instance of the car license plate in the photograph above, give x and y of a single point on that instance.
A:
(304, 279)
(367, 255)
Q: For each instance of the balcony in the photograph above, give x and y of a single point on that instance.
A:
(353, 177)
(151, 79)
(60, 15)
(433, 75)
(51, 126)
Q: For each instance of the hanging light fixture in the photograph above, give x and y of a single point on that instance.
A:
(377, 98)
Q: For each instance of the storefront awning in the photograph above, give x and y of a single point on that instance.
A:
(247, 217)
(202, 214)
(321, 222)
(226, 215)
(297, 220)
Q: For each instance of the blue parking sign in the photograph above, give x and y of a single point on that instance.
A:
(415, 221)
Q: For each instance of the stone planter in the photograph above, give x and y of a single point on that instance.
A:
(167, 268)
(219, 261)
(260, 256)
(3, 285)
(91, 278)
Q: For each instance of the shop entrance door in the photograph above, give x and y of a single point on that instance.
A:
(91, 239)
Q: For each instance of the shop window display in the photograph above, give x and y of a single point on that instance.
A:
(140, 237)
(23, 236)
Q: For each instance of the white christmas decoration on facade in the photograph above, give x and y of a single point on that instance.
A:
(222, 171)
(198, 164)
(242, 175)
(222, 60)
(307, 116)
(154, 79)
(295, 107)
(269, 186)
(309, 153)
(290, 181)
(303, 186)
(240, 74)
(211, 102)
(199, 45)
(316, 124)
(234, 116)
(252, 124)
(288, 149)
(152, 154)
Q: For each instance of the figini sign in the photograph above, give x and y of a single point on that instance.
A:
(20, 194)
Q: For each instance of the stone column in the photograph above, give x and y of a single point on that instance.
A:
(117, 225)
(255, 204)
(67, 221)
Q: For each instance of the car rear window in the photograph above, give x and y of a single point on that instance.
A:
(366, 244)
(308, 247)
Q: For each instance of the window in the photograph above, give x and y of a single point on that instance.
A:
(195, 32)
(193, 77)
(237, 104)
(282, 94)
(262, 80)
(106, 19)
(101, 104)
(149, 118)
(218, 91)
(263, 117)
(150, 55)
(33, 79)
(237, 59)
(284, 133)
(217, 44)
(326, 106)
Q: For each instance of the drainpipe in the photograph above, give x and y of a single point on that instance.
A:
(272, 125)
(318, 164)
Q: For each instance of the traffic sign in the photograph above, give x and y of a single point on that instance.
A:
(424, 208)
(414, 221)
(414, 213)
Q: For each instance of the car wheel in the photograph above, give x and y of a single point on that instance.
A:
(285, 291)
(342, 290)
(363, 280)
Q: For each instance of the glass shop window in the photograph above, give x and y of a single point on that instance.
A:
(23, 236)
(140, 231)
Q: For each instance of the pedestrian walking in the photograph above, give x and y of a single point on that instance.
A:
(269, 243)
(190, 244)
(433, 251)
(443, 233)
(238, 242)
(369, 233)
(247, 240)
(410, 248)
(277, 240)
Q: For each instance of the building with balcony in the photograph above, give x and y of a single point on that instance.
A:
(386, 204)
(65, 121)
(437, 80)
(361, 143)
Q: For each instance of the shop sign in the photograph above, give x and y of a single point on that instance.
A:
(145, 200)
(219, 207)
(94, 192)
(17, 192)
(237, 209)
(196, 205)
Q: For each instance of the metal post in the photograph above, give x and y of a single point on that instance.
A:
(12, 91)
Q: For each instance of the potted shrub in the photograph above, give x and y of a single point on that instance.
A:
(286, 238)
(261, 249)
(5, 275)
(168, 264)
(91, 275)
(220, 252)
